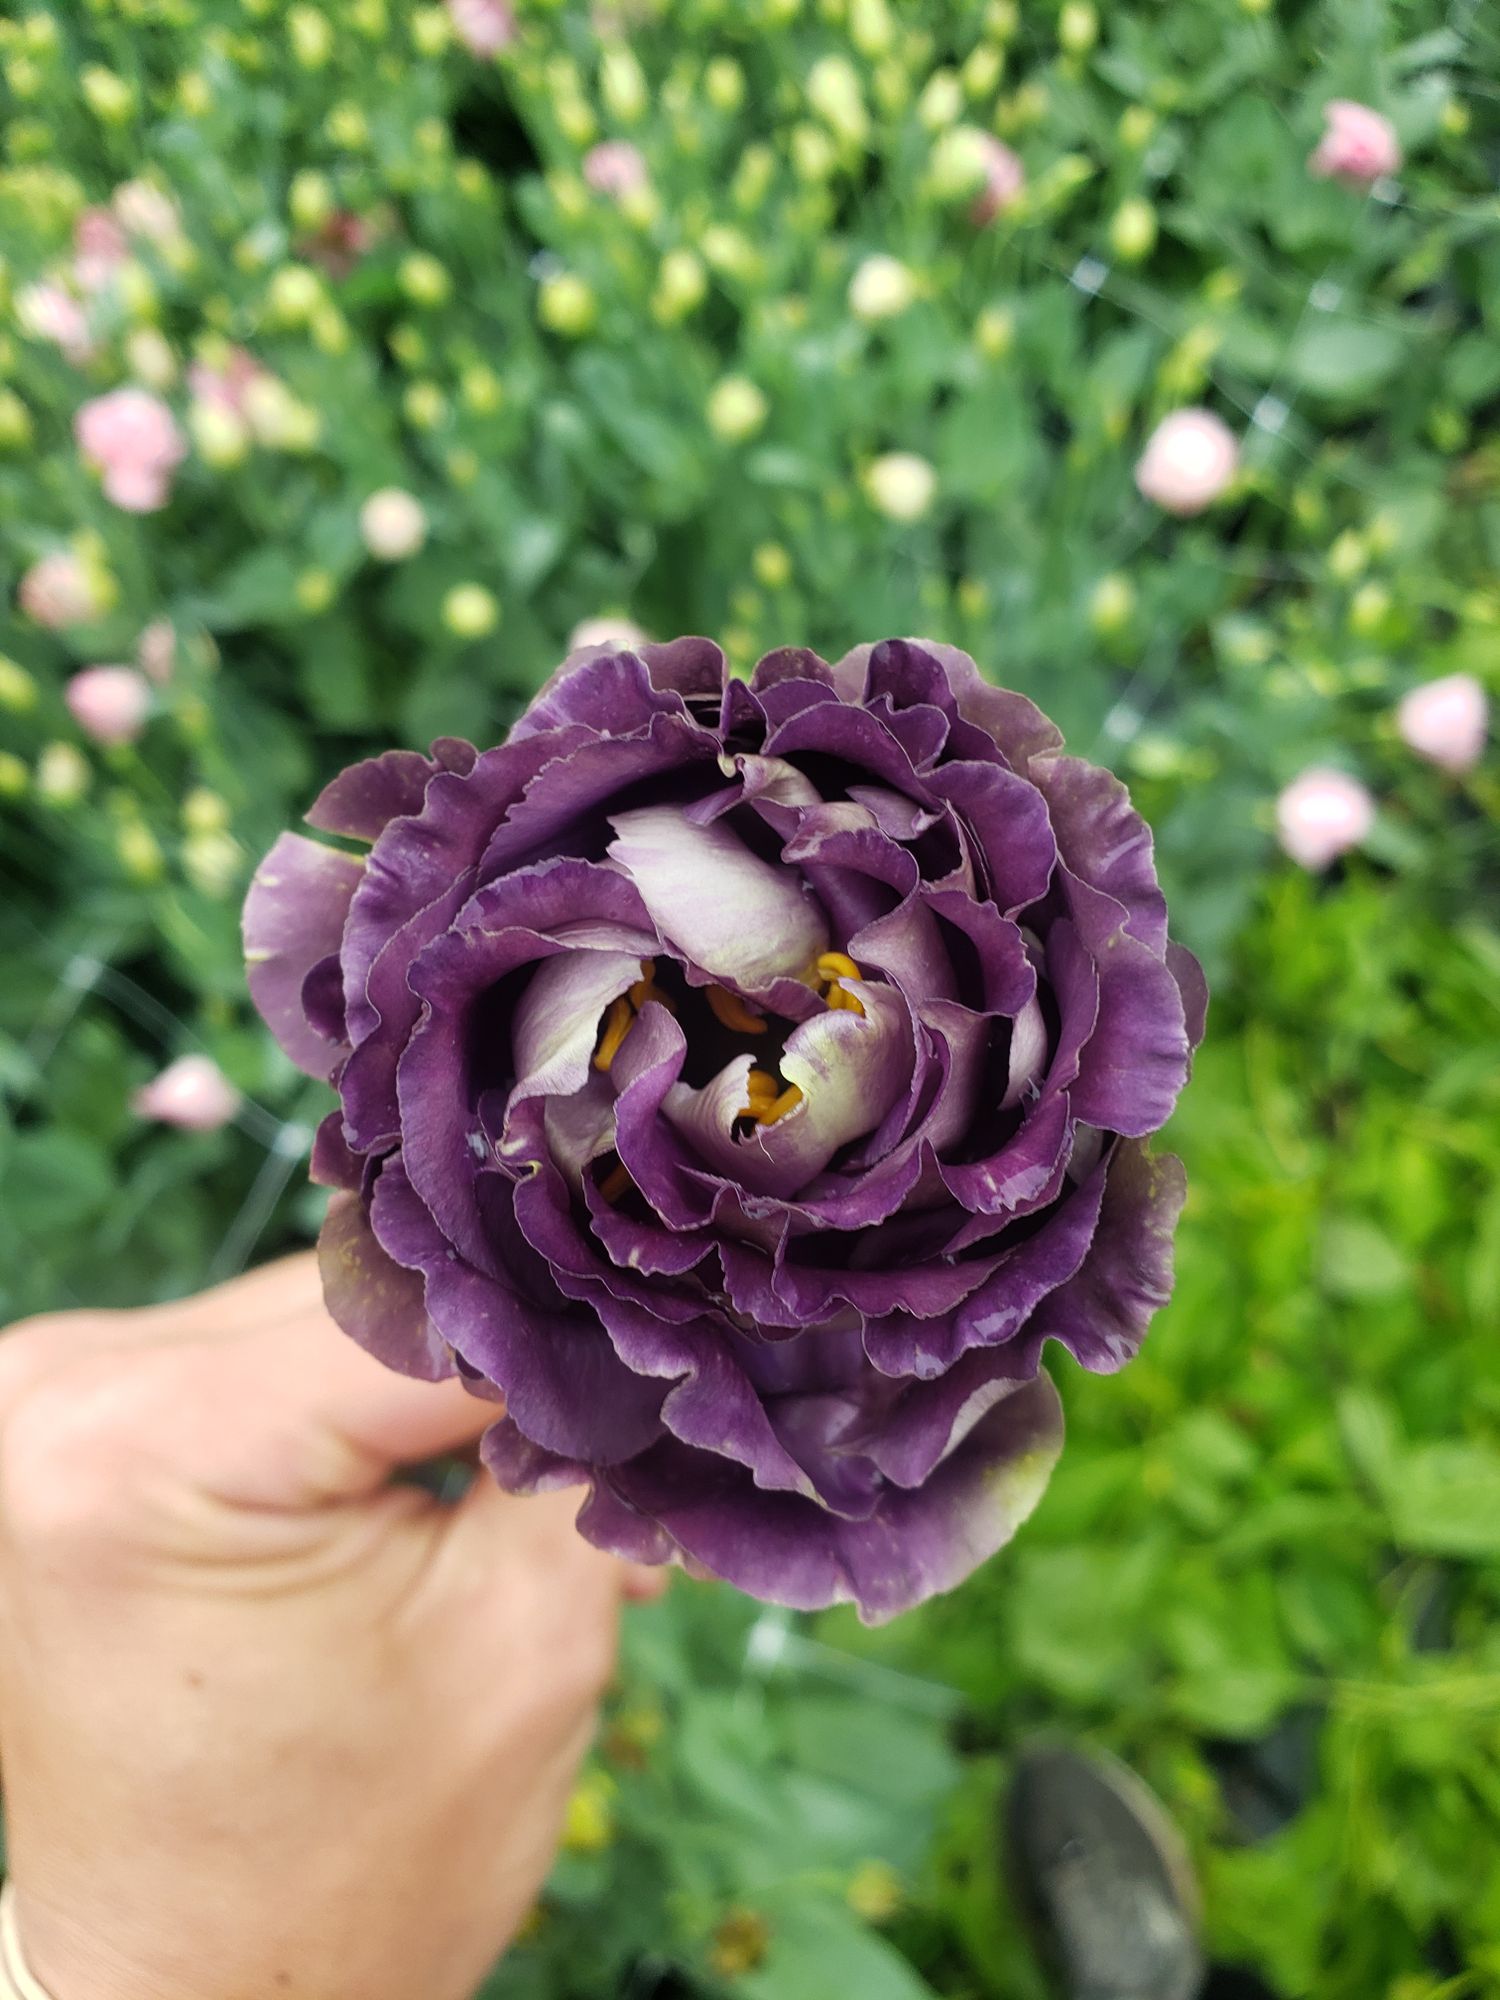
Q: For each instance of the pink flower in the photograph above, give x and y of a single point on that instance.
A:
(228, 384)
(109, 703)
(47, 312)
(58, 590)
(144, 210)
(1004, 178)
(1358, 146)
(1321, 815)
(615, 168)
(132, 440)
(606, 632)
(1446, 721)
(156, 651)
(192, 1093)
(99, 249)
(1189, 459)
(483, 26)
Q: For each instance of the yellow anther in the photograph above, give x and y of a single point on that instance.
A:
(646, 988)
(837, 965)
(766, 1103)
(617, 1025)
(731, 1011)
(780, 1106)
(616, 1182)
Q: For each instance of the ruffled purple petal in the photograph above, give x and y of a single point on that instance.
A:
(294, 917)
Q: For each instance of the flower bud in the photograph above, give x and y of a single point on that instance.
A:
(481, 389)
(615, 168)
(609, 630)
(1446, 721)
(681, 286)
(220, 436)
(901, 485)
(995, 332)
(393, 524)
(348, 127)
(1132, 230)
(870, 27)
(110, 704)
(881, 288)
(736, 409)
(108, 96)
(16, 429)
(131, 440)
(310, 199)
(60, 589)
(315, 590)
(622, 84)
(1358, 147)
(312, 36)
(47, 312)
(589, 1823)
(294, 294)
(1004, 178)
(1137, 127)
(983, 68)
(1369, 608)
(204, 811)
(833, 91)
(875, 1892)
(1321, 815)
(1348, 554)
(724, 84)
(1077, 28)
(150, 357)
(213, 862)
(772, 565)
(1112, 604)
(431, 30)
(139, 851)
(959, 163)
(730, 252)
(194, 94)
(424, 279)
(425, 405)
(156, 651)
(62, 775)
(470, 611)
(567, 304)
(192, 1093)
(942, 100)
(1189, 460)
(485, 27)
(18, 690)
(14, 776)
(753, 176)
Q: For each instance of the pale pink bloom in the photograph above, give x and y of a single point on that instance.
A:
(109, 703)
(48, 312)
(1358, 146)
(606, 632)
(144, 210)
(57, 591)
(393, 524)
(132, 439)
(1321, 815)
(1189, 459)
(99, 249)
(483, 26)
(228, 385)
(1446, 721)
(192, 1093)
(156, 651)
(616, 168)
(1004, 178)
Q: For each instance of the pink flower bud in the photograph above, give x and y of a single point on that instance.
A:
(156, 651)
(615, 168)
(131, 438)
(1004, 178)
(99, 249)
(227, 385)
(1189, 459)
(1358, 146)
(622, 632)
(47, 312)
(1321, 815)
(57, 591)
(109, 703)
(1446, 721)
(483, 26)
(393, 524)
(192, 1093)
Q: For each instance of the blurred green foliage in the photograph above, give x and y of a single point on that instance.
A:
(1267, 1571)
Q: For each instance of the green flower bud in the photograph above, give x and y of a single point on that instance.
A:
(681, 285)
(870, 27)
(900, 485)
(139, 851)
(983, 68)
(62, 775)
(204, 811)
(622, 84)
(995, 332)
(424, 279)
(294, 294)
(1077, 27)
(833, 91)
(1132, 230)
(470, 611)
(220, 436)
(431, 31)
(312, 36)
(1112, 604)
(310, 199)
(213, 862)
(1137, 126)
(566, 304)
(942, 100)
(724, 84)
(14, 776)
(753, 176)
(736, 409)
(425, 405)
(481, 389)
(957, 163)
(813, 154)
(108, 96)
(18, 691)
(1347, 556)
(315, 590)
(772, 566)
(15, 422)
(348, 127)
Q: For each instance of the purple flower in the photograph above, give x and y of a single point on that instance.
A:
(744, 1081)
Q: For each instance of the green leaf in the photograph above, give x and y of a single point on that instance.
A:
(818, 1950)
(1444, 1500)
(1344, 359)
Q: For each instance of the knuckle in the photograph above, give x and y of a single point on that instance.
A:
(32, 1347)
(65, 1450)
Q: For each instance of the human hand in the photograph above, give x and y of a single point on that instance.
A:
(270, 1724)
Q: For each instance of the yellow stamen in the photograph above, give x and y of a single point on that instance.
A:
(617, 1025)
(646, 988)
(732, 1012)
(837, 965)
(616, 1182)
(790, 1097)
(766, 1103)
